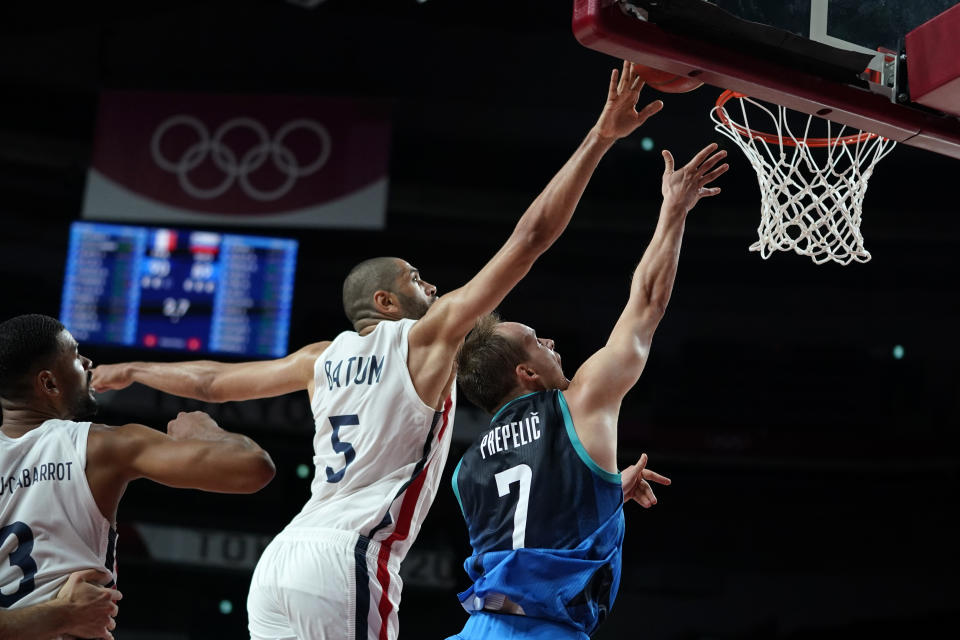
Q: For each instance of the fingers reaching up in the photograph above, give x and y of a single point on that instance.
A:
(685, 186)
(620, 116)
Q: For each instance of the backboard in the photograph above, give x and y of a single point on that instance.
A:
(846, 23)
(819, 57)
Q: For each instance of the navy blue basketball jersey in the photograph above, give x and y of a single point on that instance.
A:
(545, 521)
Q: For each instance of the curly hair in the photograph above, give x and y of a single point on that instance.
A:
(486, 363)
(27, 343)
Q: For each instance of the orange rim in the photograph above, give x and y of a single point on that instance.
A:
(727, 95)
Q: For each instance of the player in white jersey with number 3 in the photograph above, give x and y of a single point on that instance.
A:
(62, 477)
(383, 398)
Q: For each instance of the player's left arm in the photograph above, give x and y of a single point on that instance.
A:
(435, 338)
(600, 384)
(212, 381)
(636, 481)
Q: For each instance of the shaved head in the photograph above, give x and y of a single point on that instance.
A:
(364, 280)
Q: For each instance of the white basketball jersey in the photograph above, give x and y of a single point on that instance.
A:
(379, 450)
(50, 525)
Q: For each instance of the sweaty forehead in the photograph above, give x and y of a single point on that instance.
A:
(67, 341)
(516, 330)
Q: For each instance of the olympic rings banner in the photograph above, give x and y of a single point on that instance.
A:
(288, 161)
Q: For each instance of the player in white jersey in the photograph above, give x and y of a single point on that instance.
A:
(62, 477)
(82, 608)
(382, 397)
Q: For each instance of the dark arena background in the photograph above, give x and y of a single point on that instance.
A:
(808, 415)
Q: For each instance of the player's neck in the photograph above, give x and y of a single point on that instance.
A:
(19, 418)
(368, 329)
(517, 392)
(367, 325)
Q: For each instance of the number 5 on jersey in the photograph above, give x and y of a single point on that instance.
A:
(345, 448)
(522, 474)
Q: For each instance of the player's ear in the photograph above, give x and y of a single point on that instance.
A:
(46, 383)
(385, 302)
(527, 377)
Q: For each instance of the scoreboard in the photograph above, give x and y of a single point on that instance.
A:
(159, 288)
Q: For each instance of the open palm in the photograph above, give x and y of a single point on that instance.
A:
(620, 116)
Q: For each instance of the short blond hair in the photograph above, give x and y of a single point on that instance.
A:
(486, 363)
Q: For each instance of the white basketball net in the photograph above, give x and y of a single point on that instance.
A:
(811, 207)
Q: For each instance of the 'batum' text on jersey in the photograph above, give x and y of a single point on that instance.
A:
(367, 371)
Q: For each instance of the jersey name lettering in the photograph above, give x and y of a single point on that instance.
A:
(358, 370)
(510, 435)
(32, 475)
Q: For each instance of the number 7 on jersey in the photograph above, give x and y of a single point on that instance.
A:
(522, 474)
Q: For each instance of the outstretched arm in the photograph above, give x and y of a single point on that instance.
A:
(216, 381)
(599, 385)
(436, 337)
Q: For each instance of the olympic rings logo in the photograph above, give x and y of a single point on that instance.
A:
(226, 159)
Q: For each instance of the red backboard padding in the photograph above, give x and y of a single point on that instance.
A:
(603, 26)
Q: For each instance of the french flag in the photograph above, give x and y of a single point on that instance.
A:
(164, 242)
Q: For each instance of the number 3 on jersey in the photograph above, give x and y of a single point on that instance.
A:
(19, 557)
(345, 448)
(522, 474)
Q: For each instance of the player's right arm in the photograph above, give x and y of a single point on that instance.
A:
(211, 381)
(82, 609)
(436, 337)
(195, 453)
(595, 392)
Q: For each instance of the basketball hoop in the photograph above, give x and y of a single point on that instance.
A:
(811, 207)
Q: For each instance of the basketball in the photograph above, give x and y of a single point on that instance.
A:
(665, 81)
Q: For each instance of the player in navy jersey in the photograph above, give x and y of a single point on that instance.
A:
(382, 398)
(539, 490)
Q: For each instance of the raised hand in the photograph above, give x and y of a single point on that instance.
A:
(195, 425)
(620, 117)
(108, 377)
(636, 480)
(685, 186)
(92, 607)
